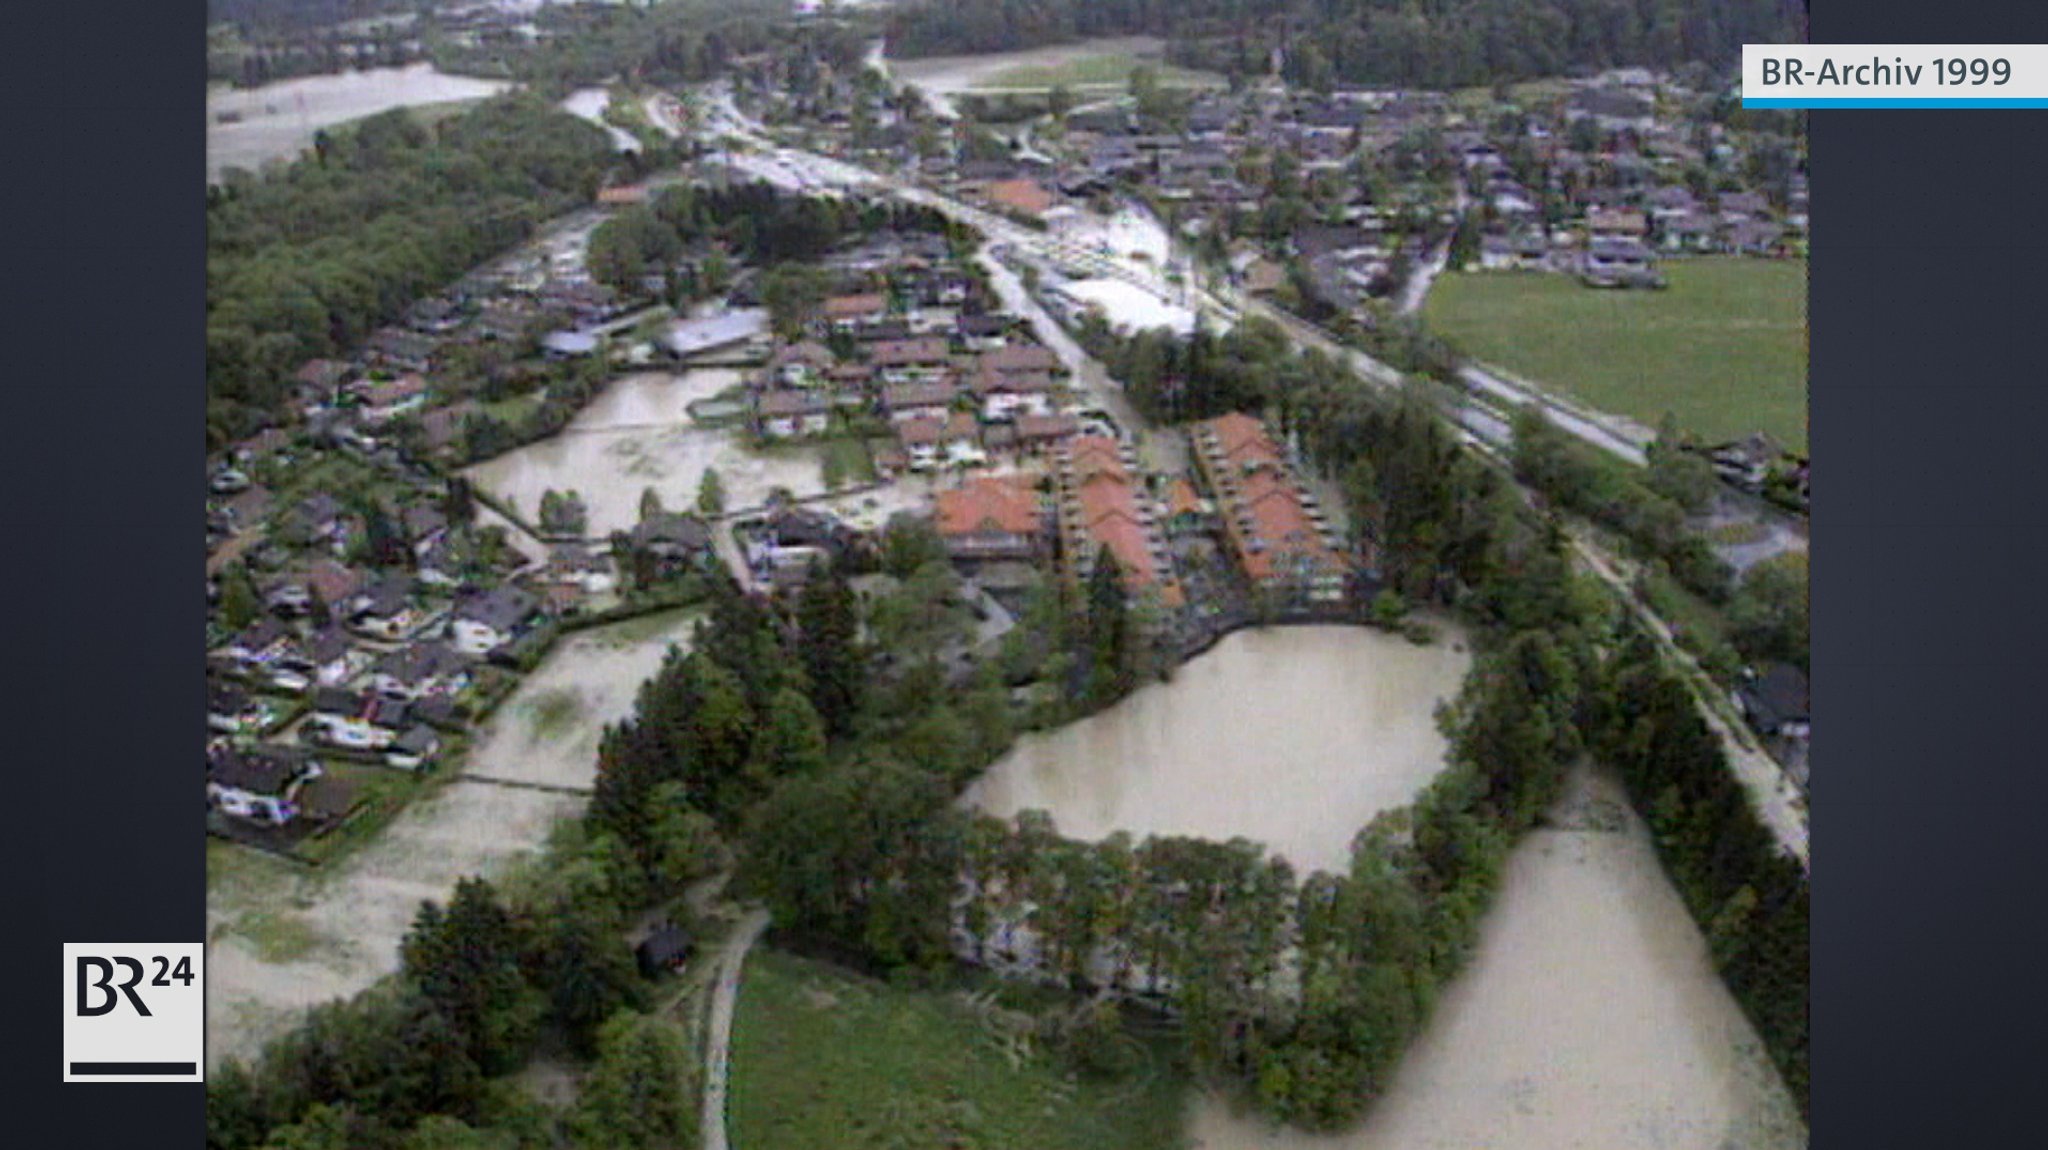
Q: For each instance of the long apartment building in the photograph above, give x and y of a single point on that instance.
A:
(1271, 525)
(1103, 504)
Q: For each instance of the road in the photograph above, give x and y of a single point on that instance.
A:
(725, 993)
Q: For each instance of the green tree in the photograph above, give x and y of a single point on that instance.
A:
(240, 605)
(1109, 630)
(711, 493)
(465, 960)
(440, 1132)
(640, 1094)
(590, 975)
(791, 740)
(828, 623)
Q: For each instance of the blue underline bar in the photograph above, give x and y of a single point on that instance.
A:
(1895, 102)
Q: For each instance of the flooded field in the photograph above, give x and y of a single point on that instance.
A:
(281, 938)
(1294, 737)
(1591, 1016)
(638, 434)
(277, 121)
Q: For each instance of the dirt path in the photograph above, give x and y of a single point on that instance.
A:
(718, 1037)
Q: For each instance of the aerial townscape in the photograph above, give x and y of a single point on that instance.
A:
(1009, 573)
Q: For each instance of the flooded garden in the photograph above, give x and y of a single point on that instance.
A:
(282, 938)
(638, 434)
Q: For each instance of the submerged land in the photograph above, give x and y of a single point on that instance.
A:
(880, 600)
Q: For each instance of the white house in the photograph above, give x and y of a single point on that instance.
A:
(486, 622)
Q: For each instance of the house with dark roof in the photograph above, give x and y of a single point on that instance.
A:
(258, 784)
(420, 670)
(1778, 702)
(791, 414)
(482, 623)
(668, 948)
(669, 544)
(386, 608)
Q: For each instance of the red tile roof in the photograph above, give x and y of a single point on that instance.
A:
(989, 504)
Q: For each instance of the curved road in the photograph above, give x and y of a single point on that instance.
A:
(725, 992)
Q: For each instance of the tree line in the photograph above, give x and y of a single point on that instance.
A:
(1749, 896)
(1399, 43)
(307, 261)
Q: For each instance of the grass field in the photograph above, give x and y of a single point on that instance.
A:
(1112, 68)
(824, 1058)
(1723, 348)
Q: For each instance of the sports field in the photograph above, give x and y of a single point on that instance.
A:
(1723, 348)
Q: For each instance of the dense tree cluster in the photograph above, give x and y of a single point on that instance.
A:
(307, 261)
(420, 1062)
(1429, 44)
(1750, 897)
(1619, 497)
(670, 44)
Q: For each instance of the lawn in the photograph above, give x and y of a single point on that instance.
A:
(825, 1058)
(1101, 68)
(1723, 348)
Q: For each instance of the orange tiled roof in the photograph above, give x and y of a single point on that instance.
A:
(988, 504)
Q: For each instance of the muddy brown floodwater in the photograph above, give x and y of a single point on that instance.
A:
(637, 433)
(1590, 1016)
(280, 939)
(1294, 737)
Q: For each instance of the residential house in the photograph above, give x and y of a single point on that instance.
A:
(420, 670)
(903, 360)
(1618, 263)
(386, 400)
(414, 748)
(352, 721)
(1102, 508)
(315, 520)
(1615, 223)
(991, 519)
(668, 948)
(1747, 462)
(1756, 238)
(1038, 433)
(668, 544)
(332, 658)
(483, 623)
(575, 565)
(792, 414)
(1272, 527)
(802, 364)
(1777, 703)
(930, 400)
(386, 609)
(259, 645)
(230, 710)
(1005, 395)
(850, 312)
(258, 784)
(928, 443)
